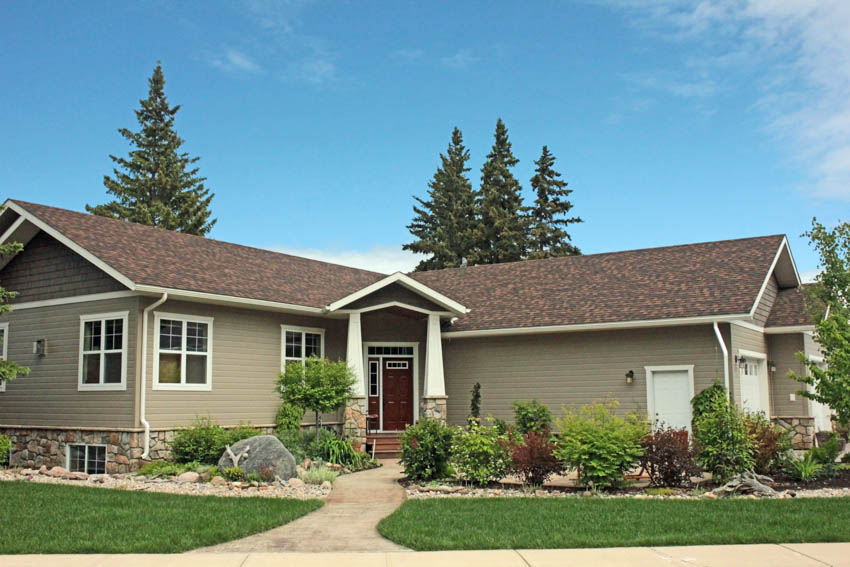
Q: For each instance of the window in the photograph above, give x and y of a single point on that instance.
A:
(89, 459)
(373, 377)
(183, 358)
(390, 351)
(399, 364)
(4, 334)
(103, 352)
(300, 343)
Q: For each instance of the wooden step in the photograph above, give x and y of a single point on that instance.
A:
(384, 445)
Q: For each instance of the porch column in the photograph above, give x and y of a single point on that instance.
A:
(356, 409)
(434, 397)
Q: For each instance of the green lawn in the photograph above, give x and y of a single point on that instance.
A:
(525, 523)
(53, 518)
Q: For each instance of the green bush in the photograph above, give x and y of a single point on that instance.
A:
(771, 443)
(722, 442)
(238, 433)
(342, 452)
(426, 449)
(288, 418)
(479, 454)
(711, 399)
(204, 441)
(806, 469)
(305, 443)
(234, 473)
(167, 468)
(601, 446)
(5, 448)
(828, 451)
(318, 474)
(531, 417)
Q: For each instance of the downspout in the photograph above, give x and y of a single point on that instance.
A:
(143, 397)
(725, 359)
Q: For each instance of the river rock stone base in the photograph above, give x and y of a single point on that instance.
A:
(802, 428)
(435, 408)
(354, 419)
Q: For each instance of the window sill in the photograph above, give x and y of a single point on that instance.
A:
(183, 387)
(101, 387)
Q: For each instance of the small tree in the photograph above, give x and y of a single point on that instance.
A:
(318, 385)
(475, 403)
(831, 292)
(9, 370)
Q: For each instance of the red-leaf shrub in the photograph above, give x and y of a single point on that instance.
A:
(667, 458)
(533, 459)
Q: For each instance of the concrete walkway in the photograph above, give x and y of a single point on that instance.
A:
(795, 555)
(347, 522)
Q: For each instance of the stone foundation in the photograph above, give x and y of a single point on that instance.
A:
(354, 418)
(802, 428)
(434, 407)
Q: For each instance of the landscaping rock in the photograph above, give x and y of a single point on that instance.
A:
(260, 452)
(189, 476)
(42, 469)
(296, 483)
(218, 481)
(327, 485)
(58, 472)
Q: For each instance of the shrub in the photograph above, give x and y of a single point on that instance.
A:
(771, 444)
(806, 469)
(318, 474)
(712, 398)
(533, 458)
(661, 491)
(480, 455)
(5, 448)
(722, 442)
(342, 452)
(267, 474)
(475, 403)
(828, 451)
(426, 449)
(166, 468)
(667, 458)
(203, 442)
(238, 433)
(600, 445)
(288, 418)
(531, 416)
(234, 473)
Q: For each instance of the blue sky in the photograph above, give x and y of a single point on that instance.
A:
(316, 122)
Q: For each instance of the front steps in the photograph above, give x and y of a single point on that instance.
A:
(386, 445)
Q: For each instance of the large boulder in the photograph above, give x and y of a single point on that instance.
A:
(260, 452)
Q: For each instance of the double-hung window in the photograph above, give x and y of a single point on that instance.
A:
(103, 352)
(300, 343)
(4, 339)
(183, 358)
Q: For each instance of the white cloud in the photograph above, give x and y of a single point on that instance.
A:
(383, 259)
(808, 276)
(800, 52)
(460, 60)
(235, 60)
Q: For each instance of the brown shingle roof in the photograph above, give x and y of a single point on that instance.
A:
(162, 258)
(789, 309)
(707, 279)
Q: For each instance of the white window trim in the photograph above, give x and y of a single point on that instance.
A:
(302, 330)
(183, 387)
(86, 462)
(103, 317)
(381, 357)
(650, 387)
(4, 350)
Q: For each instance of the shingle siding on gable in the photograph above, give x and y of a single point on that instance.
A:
(46, 269)
(394, 292)
(765, 305)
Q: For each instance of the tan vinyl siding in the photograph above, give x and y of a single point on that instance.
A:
(572, 368)
(394, 292)
(745, 339)
(47, 269)
(246, 360)
(49, 395)
(768, 298)
(783, 350)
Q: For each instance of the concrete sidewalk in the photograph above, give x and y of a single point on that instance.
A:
(790, 555)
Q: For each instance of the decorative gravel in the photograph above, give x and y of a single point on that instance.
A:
(281, 489)
(419, 491)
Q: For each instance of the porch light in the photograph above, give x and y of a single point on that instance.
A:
(742, 361)
(771, 365)
(630, 376)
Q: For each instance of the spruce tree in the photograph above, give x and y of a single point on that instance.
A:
(444, 222)
(157, 185)
(502, 227)
(548, 237)
(9, 370)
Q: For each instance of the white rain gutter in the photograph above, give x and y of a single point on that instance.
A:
(725, 358)
(143, 398)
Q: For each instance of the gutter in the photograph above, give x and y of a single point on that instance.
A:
(144, 380)
(725, 359)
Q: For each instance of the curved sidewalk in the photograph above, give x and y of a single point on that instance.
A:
(347, 522)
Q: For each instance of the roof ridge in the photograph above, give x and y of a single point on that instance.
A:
(99, 218)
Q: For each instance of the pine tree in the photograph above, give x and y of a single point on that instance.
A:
(444, 222)
(9, 370)
(502, 228)
(548, 237)
(157, 185)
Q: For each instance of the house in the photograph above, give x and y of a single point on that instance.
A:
(132, 332)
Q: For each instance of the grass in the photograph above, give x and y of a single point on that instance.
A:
(526, 523)
(317, 474)
(53, 518)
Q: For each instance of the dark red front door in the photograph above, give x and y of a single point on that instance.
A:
(398, 393)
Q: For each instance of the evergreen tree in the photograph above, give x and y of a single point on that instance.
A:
(548, 237)
(502, 228)
(9, 370)
(443, 224)
(157, 185)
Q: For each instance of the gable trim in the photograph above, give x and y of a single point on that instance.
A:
(100, 264)
(394, 304)
(227, 299)
(407, 282)
(783, 246)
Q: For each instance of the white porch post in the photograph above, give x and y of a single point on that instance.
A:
(434, 398)
(356, 409)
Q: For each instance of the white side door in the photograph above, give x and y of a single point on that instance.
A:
(669, 393)
(755, 396)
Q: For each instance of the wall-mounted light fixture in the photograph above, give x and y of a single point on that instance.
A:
(771, 365)
(741, 361)
(630, 376)
(39, 347)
